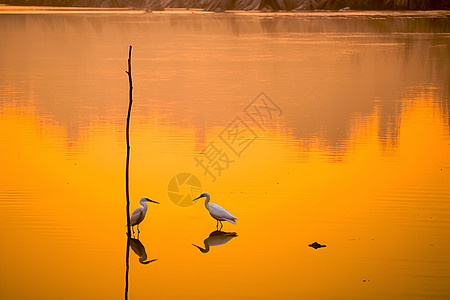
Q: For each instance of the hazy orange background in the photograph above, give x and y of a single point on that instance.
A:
(359, 159)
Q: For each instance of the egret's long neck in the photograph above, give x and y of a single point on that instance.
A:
(207, 201)
(144, 204)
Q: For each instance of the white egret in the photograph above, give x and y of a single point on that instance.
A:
(216, 238)
(217, 212)
(139, 213)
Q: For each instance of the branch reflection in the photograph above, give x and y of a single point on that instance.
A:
(216, 238)
(139, 249)
(127, 267)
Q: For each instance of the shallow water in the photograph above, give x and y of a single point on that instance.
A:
(351, 151)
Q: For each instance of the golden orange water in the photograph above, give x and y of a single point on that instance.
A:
(358, 160)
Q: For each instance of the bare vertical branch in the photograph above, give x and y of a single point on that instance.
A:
(127, 179)
(127, 169)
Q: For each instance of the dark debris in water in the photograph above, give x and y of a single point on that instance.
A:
(316, 245)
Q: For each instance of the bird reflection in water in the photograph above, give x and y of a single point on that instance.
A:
(139, 249)
(216, 238)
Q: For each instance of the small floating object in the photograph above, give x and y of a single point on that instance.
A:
(316, 245)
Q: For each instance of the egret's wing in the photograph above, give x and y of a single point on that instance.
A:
(232, 221)
(137, 215)
(220, 213)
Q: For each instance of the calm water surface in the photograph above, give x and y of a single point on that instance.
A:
(356, 155)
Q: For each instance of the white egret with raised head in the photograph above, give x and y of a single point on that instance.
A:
(139, 213)
(217, 212)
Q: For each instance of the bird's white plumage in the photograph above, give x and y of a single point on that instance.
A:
(220, 213)
(217, 212)
(137, 216)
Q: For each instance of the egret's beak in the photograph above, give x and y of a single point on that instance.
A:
(152, 201)
(197, 198)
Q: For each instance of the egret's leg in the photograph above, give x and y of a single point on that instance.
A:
(217, 224)
(132, 228)
(221, 225)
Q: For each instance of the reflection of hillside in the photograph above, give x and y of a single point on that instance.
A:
(265, 5)
(325, 73)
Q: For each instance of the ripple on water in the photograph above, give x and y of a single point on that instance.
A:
(20, 211)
